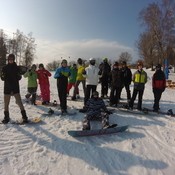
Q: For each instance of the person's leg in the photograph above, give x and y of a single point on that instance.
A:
(157, 96)
(19, 103)
(117, 96)
(93, 89)
(86, 122)
(75, 89)
(59, 88)
(111, 98)
(47, 94)
(33, 91)
(139, 105)
(6, 102)
(128, 92)
(64, 99)
(105, 120)
(102, 89)
(69, 86)
(87, 94)
(134, 95)
(84, 86)
(6, 108)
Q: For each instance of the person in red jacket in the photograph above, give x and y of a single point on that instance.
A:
(43, 78)
(158, 84)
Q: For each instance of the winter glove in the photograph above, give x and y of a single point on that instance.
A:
(84, 72)
(2, 76)
(64, 74)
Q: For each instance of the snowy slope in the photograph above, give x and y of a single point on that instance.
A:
(147, 148)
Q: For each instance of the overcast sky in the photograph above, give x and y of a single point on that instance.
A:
(76, 28)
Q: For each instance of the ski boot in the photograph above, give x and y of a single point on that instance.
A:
(24, 116)
(6, 117)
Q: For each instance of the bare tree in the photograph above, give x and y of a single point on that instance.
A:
(125, 56)
(53, 65)
(29, 51)
(159, 21)
(3, 49)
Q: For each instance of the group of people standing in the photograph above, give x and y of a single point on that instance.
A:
(115, 77)
(11, 75)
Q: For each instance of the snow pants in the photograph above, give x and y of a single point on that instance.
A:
(7, 98)
(114, 95)
(157, 96)
(32, 92)
(104, 86)
(100, 115)
(62, 93)
(69, 86)
(89, 90)
(128, 92)
(134, 95)
(76, 87)
(45, 92)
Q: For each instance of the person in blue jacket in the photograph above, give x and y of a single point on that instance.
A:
(61, 74)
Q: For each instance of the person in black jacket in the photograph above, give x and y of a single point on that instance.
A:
(127, 78)
(116, 77)
(159, 85)
(11, 75)
(105, 70)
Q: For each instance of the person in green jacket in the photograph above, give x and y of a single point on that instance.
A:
(72, 79)
(32, 83)
(139, 78)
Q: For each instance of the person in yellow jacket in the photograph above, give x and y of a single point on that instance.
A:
(80, 78)
(139, 79)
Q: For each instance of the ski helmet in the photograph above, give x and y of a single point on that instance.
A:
(92, 61)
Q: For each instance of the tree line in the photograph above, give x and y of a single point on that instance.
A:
(22, 46)
(157, 42)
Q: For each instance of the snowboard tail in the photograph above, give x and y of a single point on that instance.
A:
(20, 122)
(76, 133)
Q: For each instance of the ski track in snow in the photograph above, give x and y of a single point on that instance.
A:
(147, 148)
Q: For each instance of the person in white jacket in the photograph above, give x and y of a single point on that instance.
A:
(92, 74)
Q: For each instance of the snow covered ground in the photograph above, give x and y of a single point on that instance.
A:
(147, 148)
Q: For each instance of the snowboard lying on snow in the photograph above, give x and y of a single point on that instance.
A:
(81, 133)
(20, 122)
(169, 112)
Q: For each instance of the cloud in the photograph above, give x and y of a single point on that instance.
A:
(47, 51)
